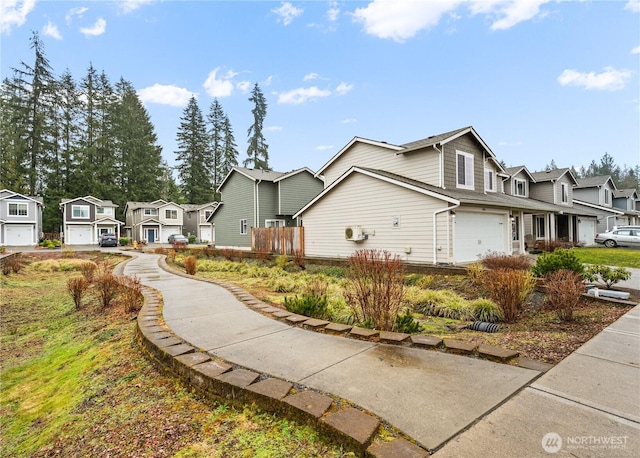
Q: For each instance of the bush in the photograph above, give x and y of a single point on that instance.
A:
(509, 289)
(190, 265)
(68, 252)
(422, 281)
(298, 258)
(106, 288)
(504, 261)
(407, 324)
(330, 271)
(124, 241)
(564, 288)
(607, 275)
(192, 239)
(475, 272)
(282, 284)
(77, 287)
(486, 310)
(88, 270)
(282, 261)
(309, 305)
(131, 293)
(559, 259)
(16, 263)
(375, 288)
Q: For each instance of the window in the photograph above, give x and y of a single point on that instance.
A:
(607, 196)
(150, 212)
(243, 227)
(171, 214)
(104, 211)
(488, 180)
(207, 214)
(565, 193)
(80, 211)
(16, 209)
(464, 170)
(540, 226)
(273, 223)
(519, 187)
(515, 228)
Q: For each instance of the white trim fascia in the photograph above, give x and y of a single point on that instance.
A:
(14, 194)
(599, 207)
(294, 172)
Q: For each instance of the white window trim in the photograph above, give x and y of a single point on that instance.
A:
(516, 181)
(170, 211)
(278, 223)
(243, 226)
(491, 174)
(80, 217)
(150, 212)
(18, 204)
(539, 218)
(607, 196)
(468, 170)
(564, 193)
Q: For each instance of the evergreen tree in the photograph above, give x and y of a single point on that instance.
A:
(216, 137)
(89, 133)
(169, 190)
(194, 156)
(230, 155)
(258, 150)
(13, 151)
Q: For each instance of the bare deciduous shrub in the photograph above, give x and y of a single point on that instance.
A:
(298, 258)
(77, 287)
(375, 289)
(504, 261)
(227, 253)
(191, 265)
(160, 250)
(564, 288)
(131, 293)
(475, 272)
(106, 288)
(16, 263)
(262, 254)
(509, 289)
(88, 270)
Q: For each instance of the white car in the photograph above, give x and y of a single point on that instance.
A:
(619, 237)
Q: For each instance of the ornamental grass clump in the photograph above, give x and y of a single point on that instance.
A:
(510, 289)
(564, 289)
(375, 288)
(190, 265)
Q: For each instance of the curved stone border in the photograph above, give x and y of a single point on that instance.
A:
(455, 346)
(357, 430)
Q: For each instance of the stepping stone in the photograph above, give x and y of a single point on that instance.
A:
(393, 337)
(532, 364)
(272, 387)
(191, 359)
(166, 342)
(363, 333)
(459, 346)
(259, 305)
(337, 328)
(271, 309)
(500, 354)
(296, 318)
(310, 402)
(425, 341)
(356, 425)
(176, 350)
(395, 449)
(315, 323)
(213, 368)
(282, 314)
(239, 377)
(160, 335)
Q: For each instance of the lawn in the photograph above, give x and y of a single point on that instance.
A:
(618, 257)
(73, 383)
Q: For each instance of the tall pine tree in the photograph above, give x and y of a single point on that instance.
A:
(216, 137)
(194, 156)
(258, 150)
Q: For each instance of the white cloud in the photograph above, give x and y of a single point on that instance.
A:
(13, 13)
(401, 19)
(633, 5)
(636, 50)
(219, 86)
(96, 29)
(127, 6)
(244, 86)
(343, 88)
(609, 80)
(75, 12)
(165, 95)
(273, 129)
(51, 30)
(514, 12)
(323, 147)
(333, 12)
(348, 120)
(310, 76)
(287, 12)
(302, 95)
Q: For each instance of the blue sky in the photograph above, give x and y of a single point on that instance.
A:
(539, 80)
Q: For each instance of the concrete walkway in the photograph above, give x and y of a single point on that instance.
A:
(432, 397)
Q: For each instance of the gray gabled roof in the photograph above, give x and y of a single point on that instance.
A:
(196, 207)
(435, 139)
(553, 174)
(512, 171)
(625, 193)
(591, 182)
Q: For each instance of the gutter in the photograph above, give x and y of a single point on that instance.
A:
(440, 184)
(435, 228)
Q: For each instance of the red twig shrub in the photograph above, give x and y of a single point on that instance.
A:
(510, 289)
(227, 253)
(88, 270)
(131, 293)
(376, 287)
(564, 288)
(77, 287)
(191, 265)
(504, 261)
(298, 258)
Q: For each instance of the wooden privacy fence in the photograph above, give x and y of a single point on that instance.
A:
(278, 240)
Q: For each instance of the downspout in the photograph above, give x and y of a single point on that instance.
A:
(440, 171)
(257, 208)
(435, 231)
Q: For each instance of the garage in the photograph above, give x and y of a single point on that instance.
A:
(205, 234)
(168, 231)
(19, 234)
(477, 234)
(79, 235)
(586, 231)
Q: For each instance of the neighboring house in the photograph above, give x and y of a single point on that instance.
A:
(628, 201)
(196, 221)
(437, 200)
(84, 219)
(20, 219)
(153, 222)
(260, 198)
(597, 195)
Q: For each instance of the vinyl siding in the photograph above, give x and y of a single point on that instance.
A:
(360, 154)
(558, 189)
(588, 195)
(32, 210)
(468, 145)
(170, 222)
(68, 207)
(542, 191)
(268, 201)
(238, 203)
(510, 184)
(373, 204)
(296, 191)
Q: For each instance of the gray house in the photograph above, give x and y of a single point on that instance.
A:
(196, 221)
(600, 195)
(84, 219)
(20, 219)
(153, 222)
(260, 198)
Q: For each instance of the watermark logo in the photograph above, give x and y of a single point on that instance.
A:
(552, 442)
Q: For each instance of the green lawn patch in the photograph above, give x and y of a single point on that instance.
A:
(619, 257)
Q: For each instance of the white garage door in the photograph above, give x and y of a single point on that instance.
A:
(78, 235)
(205, 234)
(19, 234)
(477, 234)
(587, 231)
(167, 231)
